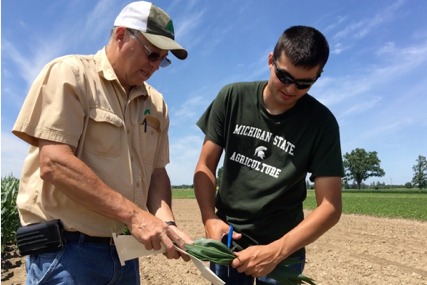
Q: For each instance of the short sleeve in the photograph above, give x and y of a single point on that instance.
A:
(212, 122)
(53, 108)
(327, 158)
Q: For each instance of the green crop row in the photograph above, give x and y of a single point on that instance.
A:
(9, 213)
(392, 203)
(387, 204)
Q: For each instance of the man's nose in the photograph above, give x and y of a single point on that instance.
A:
(290, 88)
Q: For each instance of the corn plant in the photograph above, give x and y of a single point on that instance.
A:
(217, 252)
(9, 212)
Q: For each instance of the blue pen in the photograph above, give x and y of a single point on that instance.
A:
(230, 235)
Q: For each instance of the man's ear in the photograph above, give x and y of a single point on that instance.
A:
(270, 60)
(120, 36)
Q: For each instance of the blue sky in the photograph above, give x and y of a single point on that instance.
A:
(375, 81)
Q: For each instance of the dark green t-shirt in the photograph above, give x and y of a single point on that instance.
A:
(267, 158)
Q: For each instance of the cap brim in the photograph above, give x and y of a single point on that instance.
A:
(166, 43)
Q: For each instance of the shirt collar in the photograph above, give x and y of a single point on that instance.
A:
(104, 69)
(103, 65)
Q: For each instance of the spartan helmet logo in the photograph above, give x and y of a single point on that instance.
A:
(260, 152)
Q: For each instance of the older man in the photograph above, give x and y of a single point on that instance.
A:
(98, 136)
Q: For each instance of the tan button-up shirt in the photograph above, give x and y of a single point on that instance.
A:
(124, 140)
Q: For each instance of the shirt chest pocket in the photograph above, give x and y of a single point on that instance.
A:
(149, 135)
(103, 135)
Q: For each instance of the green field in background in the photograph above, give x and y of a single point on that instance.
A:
(183, 194)
(386, 204)
(393, 204)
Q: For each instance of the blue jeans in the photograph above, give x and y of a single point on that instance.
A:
(81, 263)
(231, 276)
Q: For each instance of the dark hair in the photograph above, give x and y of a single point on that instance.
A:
(303, 46)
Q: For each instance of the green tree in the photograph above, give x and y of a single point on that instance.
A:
(359, 165)
(218, 179)
(345, 184)
(408, 185)
(420, 172)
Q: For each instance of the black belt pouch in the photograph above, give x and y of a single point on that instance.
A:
(40, 238)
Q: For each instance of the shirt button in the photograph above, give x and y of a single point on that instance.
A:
(137, 184)
(128, 131)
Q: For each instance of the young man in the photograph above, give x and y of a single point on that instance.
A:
(273, 133)
(98, 138)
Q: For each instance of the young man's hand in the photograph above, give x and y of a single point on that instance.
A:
(257, 261)
(216, 229)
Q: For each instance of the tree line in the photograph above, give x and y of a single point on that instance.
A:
(359, 165)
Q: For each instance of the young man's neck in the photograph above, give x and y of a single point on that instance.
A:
(270, 105)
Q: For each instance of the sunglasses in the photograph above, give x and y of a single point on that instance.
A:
(287, 79)
(153, 56)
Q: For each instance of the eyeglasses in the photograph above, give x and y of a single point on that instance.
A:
(287, 79)
(153, 56)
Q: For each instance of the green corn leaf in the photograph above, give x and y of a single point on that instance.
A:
(210, 250)
(210, 243)
(287, 275)
(217, 252)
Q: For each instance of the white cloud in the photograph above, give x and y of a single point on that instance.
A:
(388, 48)
(184, 156)
(22, 24)
(259, 67)
(365, 26)
(400, 62)
(29, 66)
(339, 48)
(187, 26)
(391, 127)
(13, 153)
(362, 107)
(339, 21)
(99, 20)
(337, 90)
(192, 3)
(189, 110)
(6, 73)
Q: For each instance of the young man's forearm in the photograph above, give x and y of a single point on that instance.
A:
(204, 189)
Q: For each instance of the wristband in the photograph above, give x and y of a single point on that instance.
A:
(171, 223)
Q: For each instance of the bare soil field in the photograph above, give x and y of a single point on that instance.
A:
(359, 250)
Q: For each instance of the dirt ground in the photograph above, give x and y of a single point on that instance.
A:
(360, 250)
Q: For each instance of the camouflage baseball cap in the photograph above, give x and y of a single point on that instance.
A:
(154, 23)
